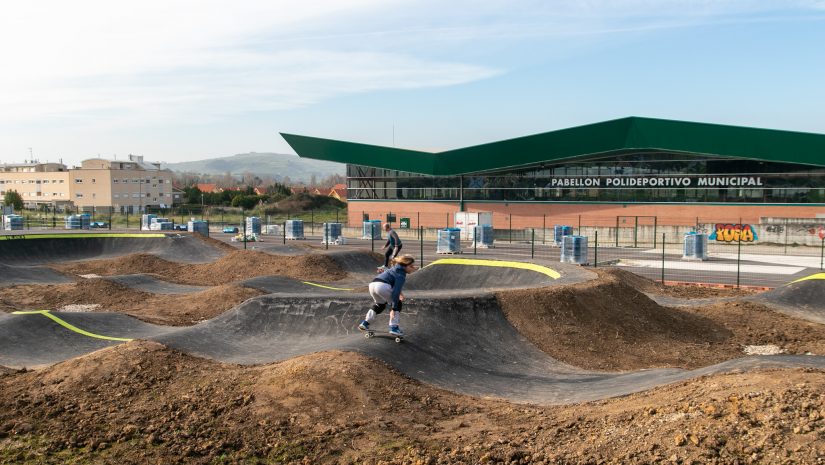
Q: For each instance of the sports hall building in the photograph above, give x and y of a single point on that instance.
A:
(679, 172)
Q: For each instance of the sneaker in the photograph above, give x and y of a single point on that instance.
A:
(364, 326)
(396, 331)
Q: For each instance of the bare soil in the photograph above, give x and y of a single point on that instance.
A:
(108, 296)
(143, 403)
(234, 266)
(608, 324)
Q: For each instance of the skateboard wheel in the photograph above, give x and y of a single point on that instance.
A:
(398, 339)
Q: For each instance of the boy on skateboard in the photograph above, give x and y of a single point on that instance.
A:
(386, 288)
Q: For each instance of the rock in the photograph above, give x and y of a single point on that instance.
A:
(680, 440)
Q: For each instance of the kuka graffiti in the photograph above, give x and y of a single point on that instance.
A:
(733, 233)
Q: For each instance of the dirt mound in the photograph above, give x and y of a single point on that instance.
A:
(102, 295)
(214, 242)
(607, 324)
(143, 403)
(684, 291)
(105, 294)
(188, 309)
(234, 266)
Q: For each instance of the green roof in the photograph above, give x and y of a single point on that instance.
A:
(620, 136)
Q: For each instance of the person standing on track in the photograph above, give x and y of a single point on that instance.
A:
(393, 245)
(386, 288)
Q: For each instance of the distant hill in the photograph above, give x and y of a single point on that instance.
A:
(277, 165)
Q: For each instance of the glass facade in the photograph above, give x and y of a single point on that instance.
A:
(625, 177)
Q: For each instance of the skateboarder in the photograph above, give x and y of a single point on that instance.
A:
(386, 288)
(393, 245)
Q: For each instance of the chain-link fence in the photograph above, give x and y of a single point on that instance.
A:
(769, 253)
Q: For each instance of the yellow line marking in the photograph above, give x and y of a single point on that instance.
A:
(69, 326)
(328, 287)
(500, 263)
(813, 276)
(75, 236)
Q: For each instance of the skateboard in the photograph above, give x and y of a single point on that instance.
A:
(370, 333)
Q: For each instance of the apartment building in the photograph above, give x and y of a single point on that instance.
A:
(97, 184)
(37, 183)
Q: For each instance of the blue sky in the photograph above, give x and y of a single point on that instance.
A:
(187, 80)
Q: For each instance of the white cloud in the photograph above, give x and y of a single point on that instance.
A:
(161, 61)
(155, 62)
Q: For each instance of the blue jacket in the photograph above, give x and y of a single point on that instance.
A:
(395, 277)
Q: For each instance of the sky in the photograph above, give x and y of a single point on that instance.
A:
(189, 80)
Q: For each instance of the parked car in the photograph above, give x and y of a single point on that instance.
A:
(98, 224)
(180, 227)
(230, 229)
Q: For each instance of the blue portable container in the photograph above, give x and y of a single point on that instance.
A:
(253, 225)
(372, 229)
(574, 249)
(449, 241)
(696, 246)
(13, 223)
(81, 221)
(198, 226)
(294, 229)
(559, 231)
(331, 233)
(484, 235)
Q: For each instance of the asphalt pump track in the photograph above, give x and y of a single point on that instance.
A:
(457, 336)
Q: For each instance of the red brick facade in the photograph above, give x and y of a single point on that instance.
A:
(536, 215)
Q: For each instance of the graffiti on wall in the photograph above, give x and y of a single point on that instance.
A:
(813, 230)
(732, 232)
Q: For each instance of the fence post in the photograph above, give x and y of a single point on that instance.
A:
(663, 259)
(654, 231)
(617, 231)
(284, 231)
(372, 238)
(510, 229)
(326, 238)
(739, 254)
(243, 220)
(636, 233)
(532, 243)
(822, 253)
(786, 234)
(475, 240)
(596, 251)
(421, 242)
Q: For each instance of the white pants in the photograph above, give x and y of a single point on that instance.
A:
(381, 293)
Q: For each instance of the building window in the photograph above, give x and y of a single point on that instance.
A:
(79, 195)
(78, 181)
